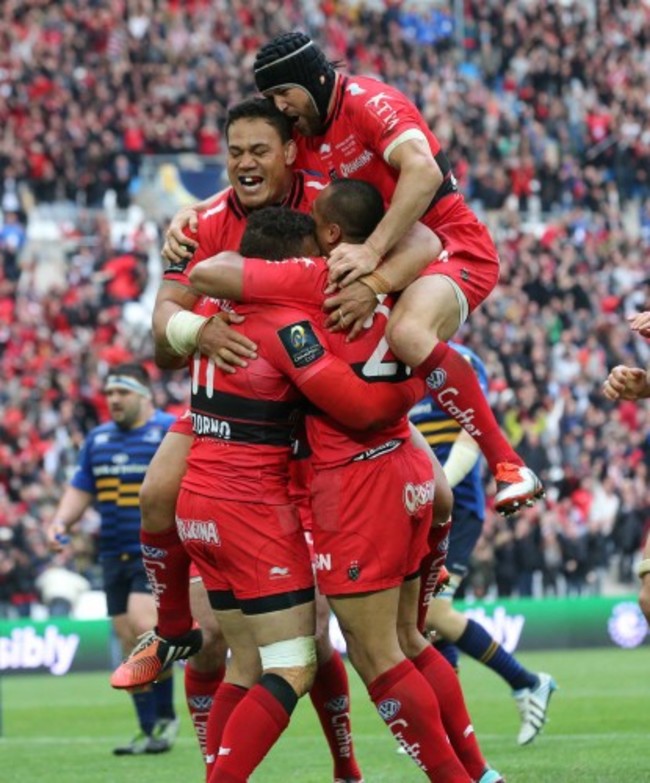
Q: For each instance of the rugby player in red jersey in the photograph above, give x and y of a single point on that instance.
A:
(368, 535)
(234, 515)
(358, 127)
(259, 163)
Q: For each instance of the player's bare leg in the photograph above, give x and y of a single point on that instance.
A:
(427, 314)
(285, 640)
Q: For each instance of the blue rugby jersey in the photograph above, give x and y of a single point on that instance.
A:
(111, 466)
(440, 431)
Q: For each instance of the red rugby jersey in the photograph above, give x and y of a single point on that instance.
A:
(300, 282)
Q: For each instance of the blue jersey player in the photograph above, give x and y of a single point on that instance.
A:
(461, 460)
(110, 470)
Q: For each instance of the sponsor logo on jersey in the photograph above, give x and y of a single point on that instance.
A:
(204, 530)
(383, 110)
(354, 89)
(120, 459)
(325, 149)
(278, 572)
(347, 169)
(416, 496)
(210, 426)
(154, 435)
(301, 343)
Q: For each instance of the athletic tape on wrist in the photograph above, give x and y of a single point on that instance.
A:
(182, 331)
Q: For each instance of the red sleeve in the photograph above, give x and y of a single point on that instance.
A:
(291, 282)
(341, 394)
(300, 352)
(384, 116)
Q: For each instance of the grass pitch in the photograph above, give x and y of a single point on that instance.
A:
(62, 730)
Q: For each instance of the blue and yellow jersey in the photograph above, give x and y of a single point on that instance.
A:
(440, 431)
(111, 466)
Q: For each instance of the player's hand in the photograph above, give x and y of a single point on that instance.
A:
(350, 308)
(57, 536)
(640, 323)
(349, 262)
(227, 347)
(626, 383)
(178, 246)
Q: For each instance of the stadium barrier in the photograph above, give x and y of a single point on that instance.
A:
(59, 646)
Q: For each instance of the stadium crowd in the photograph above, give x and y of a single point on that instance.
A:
(544, 111)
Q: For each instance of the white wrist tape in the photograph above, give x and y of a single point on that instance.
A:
(183, 330)
(462, 458)
(300, 651)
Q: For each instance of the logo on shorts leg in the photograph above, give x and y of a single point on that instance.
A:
(354, 570)
(389, 708)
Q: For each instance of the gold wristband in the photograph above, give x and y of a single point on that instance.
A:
(376, 283)
(643, 568)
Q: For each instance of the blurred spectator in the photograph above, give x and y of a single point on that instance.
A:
(543, 111)
(61, 588)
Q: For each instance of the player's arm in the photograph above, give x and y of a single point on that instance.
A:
(356, 302)
(178, 332)
(301, 353)
(221, 276)
(71, 508)
(419, 179)
(341, 394)
(180, 243)
(463, 456)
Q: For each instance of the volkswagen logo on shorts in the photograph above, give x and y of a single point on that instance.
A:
(337, 704)
(388, 709)
(436, 379)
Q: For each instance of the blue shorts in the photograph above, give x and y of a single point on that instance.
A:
(466, 529)
(123, 575)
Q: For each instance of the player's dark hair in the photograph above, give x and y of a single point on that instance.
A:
(355, 205)
(132, 370)
(260, 109)
(275, 233)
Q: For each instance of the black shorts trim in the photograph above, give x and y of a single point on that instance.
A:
(223, 600)
(276, 603)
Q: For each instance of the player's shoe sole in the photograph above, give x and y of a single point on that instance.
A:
(533, 704)
(153, 655)
(517, 487)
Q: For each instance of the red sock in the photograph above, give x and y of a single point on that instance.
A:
(168, 567)
(410, 709)
(200, 688)
(455, 388)
(253, 728)
(432, 562)
(226, 698)
(441, 676)
(330, 696)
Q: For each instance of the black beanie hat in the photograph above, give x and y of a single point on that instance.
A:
(294, 60)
